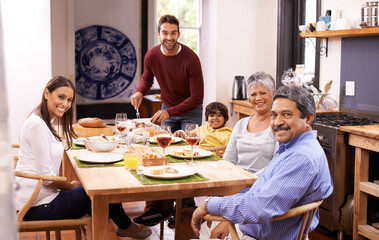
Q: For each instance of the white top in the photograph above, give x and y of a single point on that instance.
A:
(250, 151)
(41, 153)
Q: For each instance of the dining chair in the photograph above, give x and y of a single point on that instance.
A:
(304, 209)
(48, 225)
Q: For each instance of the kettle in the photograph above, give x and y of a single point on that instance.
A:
(239, 88)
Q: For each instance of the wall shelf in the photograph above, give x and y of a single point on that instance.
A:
(371, 31)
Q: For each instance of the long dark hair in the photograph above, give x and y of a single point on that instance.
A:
(66, 121)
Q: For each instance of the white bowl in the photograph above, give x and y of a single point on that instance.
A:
(98, 144)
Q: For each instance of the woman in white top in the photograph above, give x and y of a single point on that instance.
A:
(252, 144)
(41, 152)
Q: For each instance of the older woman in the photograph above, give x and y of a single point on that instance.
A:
(252, 144)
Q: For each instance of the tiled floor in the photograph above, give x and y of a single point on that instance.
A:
(135, 209)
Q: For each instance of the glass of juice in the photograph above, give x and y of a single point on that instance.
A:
(131, 160)
(150, 128)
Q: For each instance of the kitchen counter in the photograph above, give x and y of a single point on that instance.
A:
(364, 139)
(243, 108)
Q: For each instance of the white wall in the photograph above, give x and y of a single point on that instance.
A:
(27, 54)
(241, 38)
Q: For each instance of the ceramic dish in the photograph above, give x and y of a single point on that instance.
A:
(183, 171)
(79, 141)
(200, 154)
(100, 157)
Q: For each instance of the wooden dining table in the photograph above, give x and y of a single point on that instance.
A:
(105, 185)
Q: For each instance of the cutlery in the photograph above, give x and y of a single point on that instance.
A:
(140, 174)
(105, 137)
(199, 174)
(80, 135)
(137, 113)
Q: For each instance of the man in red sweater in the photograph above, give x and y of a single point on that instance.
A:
(178, 72)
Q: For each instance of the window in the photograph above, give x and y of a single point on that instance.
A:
(189, 14)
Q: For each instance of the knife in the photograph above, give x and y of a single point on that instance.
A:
(137, 113)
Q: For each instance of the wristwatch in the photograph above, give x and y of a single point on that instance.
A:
(206, 202)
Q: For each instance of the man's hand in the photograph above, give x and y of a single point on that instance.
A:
(220, 231)
(136, 99)
(197, 218)
(160, 116)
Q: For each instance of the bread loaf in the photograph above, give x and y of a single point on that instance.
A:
(92, 122)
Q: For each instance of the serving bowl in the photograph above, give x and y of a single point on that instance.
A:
(99, 144)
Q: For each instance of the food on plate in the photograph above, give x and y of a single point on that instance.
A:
(144, 151)
(102, 139)
(92, 123)
(140, 124)
(170, 170)
(157, 171)
(186, 152)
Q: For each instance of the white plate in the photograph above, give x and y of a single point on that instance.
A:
(144, 120)
(184, 171)
(79, 141)
(100, 157)
(174, 139)
(202, 154)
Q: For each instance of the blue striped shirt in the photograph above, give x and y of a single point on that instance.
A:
(298, 174)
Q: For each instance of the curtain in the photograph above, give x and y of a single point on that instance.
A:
(7, 210)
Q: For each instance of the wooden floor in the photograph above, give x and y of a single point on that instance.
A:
(133, 210)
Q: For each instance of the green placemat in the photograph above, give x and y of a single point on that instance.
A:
(82, 164)
(171, 159)
(76, 147)
(151, 181)
(181, 143)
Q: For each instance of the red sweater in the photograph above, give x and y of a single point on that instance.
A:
(180, 78)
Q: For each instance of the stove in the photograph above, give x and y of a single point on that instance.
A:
(340, 157)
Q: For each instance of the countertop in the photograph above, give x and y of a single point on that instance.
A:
(371, 131)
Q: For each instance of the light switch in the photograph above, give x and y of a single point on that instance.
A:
(350, 88)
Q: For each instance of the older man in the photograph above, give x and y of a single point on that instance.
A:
(298, 174)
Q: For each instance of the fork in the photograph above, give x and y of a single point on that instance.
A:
(137, 113)
(140, 174)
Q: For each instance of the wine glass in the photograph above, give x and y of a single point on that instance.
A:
(164, 137)
(121, 122)
(192, 137)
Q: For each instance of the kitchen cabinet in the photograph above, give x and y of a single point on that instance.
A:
(364, 139)
(149, 106)
(243, 108)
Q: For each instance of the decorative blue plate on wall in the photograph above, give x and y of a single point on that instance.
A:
(106, 62)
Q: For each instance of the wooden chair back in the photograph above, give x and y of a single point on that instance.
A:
(217, 150)
(304, 209)
(48, 225)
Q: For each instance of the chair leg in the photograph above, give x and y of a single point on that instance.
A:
(58, 235)
(162, 231)
(47, 235)
(78, 233)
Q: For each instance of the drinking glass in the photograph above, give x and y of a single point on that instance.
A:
(121, 123)
(164, 137)
(192, 138)
(131, 160)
